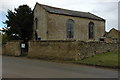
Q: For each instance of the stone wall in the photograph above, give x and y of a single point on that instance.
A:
(87, 49)
(57, 28)
(68, 50)
(59, 49)
(11, 48)
(40, 27)
(65, 50)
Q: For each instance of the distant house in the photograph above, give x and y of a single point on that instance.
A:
(52, 23)
(112, 36)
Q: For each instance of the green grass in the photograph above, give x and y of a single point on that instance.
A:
(109, 59)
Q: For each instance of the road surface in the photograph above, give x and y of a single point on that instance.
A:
(21, 67)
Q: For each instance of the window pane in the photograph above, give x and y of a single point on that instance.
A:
(91, 30)
(36, 22)
(70, 24)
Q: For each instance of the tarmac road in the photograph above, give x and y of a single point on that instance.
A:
(21, 67)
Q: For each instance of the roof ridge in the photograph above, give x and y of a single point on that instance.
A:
(62, 8)
(68, 12)
(114, 29)
(95, 15)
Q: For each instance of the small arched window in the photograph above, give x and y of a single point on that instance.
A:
(91, 30)
(36, 22)
(70, 32)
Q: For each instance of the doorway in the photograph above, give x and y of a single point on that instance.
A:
(24, 48)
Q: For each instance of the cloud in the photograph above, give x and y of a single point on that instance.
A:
(104, 8)
(11, 4)
(109, 11)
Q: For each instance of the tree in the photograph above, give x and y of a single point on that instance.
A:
(19, 23)
(4, 38)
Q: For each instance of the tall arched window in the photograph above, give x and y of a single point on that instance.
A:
(70, 32)
(36, 36)
(36, 22)
(91, 30)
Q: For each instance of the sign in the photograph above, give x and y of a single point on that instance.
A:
(23, 45)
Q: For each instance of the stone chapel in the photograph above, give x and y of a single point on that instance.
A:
(51, 23)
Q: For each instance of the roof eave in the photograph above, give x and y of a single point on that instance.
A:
(77, 16)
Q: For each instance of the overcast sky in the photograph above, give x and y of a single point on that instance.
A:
(107, 9)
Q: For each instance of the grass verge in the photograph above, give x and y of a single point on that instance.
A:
(109, 59)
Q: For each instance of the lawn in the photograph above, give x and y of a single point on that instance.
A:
(109, 59)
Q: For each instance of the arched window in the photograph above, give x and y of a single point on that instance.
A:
(36, 36)
(70, 32)
(36, 22)
(91, 30)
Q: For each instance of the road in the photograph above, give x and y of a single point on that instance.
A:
(21, 67)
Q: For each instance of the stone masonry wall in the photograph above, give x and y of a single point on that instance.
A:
(57, 28)
(65, 50)
(11, 48)
(87, 49)
(40, 27)
(68, 50)
(59, 49)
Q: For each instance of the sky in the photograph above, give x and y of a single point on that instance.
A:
(106, 9)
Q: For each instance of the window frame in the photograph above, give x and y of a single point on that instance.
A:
(91, 30)
(70, 28)
(36, 23)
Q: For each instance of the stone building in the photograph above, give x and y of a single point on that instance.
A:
(112, 36)
(52, 23)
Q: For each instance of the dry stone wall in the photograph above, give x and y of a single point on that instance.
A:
(87, 49)
(59, 49)
(68, 50)
(65, 50)
(11, 48)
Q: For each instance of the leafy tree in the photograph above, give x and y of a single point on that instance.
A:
(19, 23)
(4, 38)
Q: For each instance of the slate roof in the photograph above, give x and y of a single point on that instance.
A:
(113, 29)
(71, 13)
